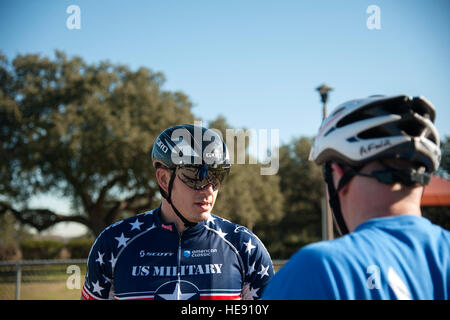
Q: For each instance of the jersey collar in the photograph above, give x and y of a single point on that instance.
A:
(171, 226)
(392, 222)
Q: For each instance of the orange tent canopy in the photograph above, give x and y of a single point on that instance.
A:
(437, 193)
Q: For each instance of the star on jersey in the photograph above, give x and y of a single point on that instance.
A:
(249, 246)
(100, 258)
(97, 287)
(249, 293)
(107, 280)
(177, 294)
(136, 225)
(221, 233)
(251, 269)
(263, 271)
(122, 240)
(211, 219)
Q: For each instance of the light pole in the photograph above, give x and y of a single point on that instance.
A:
(327, 219)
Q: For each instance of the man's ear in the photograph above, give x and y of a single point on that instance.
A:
(163, 178)
(338, 172)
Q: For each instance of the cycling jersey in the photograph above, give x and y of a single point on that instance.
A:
(143, 258)
(403, 257)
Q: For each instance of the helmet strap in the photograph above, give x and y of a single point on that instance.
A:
(407, 177)
(168, 197)
(389, 175)
(334, 196)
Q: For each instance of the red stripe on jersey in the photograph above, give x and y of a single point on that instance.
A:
(220, 297)
(87, 295)
(134, 298)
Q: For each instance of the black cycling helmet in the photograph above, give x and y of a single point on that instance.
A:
(201, 152)
(378, 128)
(189, 144)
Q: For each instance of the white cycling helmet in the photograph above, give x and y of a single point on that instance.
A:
(362, 130)
(377, 128)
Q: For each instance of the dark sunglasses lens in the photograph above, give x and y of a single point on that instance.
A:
(384, 176)
(198, 177)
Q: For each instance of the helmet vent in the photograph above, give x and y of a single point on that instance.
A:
(395, 106)
(408, 126)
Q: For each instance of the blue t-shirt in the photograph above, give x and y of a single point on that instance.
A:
(402, 257)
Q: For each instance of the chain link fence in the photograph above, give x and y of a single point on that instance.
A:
(48, 279)
(42, 279)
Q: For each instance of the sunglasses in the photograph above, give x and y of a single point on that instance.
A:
(198, 177)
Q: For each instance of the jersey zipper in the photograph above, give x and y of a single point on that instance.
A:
(179, 261)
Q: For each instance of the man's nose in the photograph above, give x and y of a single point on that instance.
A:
(207, 189)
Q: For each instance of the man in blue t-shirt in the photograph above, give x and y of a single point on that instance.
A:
(377, 153)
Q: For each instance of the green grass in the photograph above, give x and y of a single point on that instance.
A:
(43, 283)
(40, 291)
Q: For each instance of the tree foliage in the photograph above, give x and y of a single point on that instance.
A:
(247, 197)
(302, 187)
(284, 210)
(84, 131)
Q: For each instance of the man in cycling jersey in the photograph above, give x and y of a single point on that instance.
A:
(180, 250)
(377, 153)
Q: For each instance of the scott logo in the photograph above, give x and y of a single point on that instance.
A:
(374, 146)
(144, 253)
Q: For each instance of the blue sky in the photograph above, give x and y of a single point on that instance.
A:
(255, 62)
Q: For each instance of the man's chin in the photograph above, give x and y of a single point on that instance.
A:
(202, 213)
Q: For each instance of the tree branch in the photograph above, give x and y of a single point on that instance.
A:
(102, 194)
(127, 204)
(78, 189)
(40, 219)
